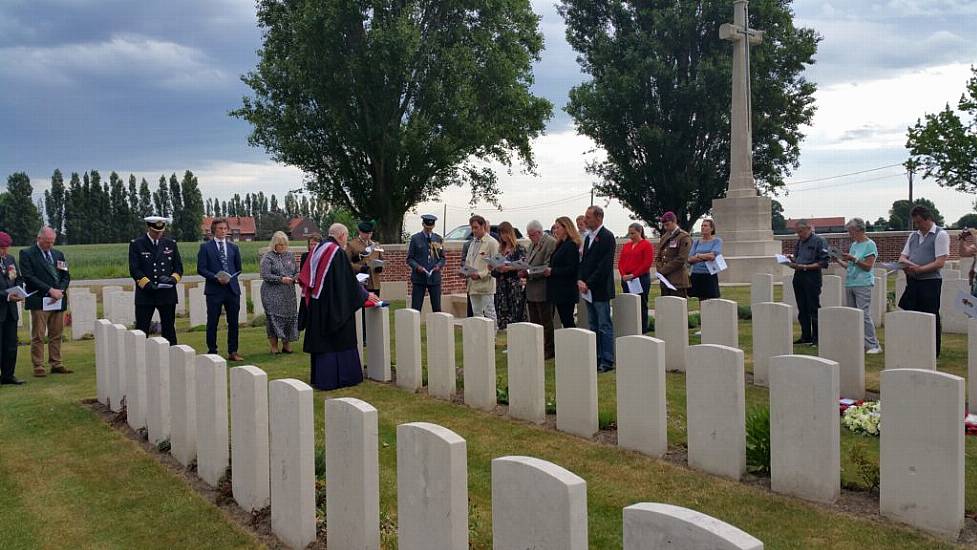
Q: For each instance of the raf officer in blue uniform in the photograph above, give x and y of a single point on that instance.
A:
(219, 263)
(155, 265)
(425, 256)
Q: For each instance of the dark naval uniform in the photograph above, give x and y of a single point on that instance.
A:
(425, 253)
(152, 265)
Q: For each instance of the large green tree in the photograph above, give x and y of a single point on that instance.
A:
(899, 213)
(658, 99)
(385, 103)
(20, 216)
(945, 145)
(186, 223)
(54, 203)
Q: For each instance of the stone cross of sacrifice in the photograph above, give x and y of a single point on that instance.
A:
(741, 182)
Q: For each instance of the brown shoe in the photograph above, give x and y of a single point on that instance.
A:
(235, 357)
(39, 372)
(61, 369)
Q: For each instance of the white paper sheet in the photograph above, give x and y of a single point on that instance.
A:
(634, 286)
(966, 303)
(665, 281)
(781, 259)
(19, 291)
(52, 305)
(588, 297)
(717, 265)
(362, 277)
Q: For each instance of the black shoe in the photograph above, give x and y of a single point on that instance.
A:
(12, 381)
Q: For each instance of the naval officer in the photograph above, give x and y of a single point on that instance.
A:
(156, 267)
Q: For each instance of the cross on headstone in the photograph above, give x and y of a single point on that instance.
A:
(741, 143)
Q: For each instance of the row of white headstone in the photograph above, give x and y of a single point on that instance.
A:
(270, 448)
(921, 484)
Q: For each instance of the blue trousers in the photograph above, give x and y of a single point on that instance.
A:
(230, 303)
(599, 316)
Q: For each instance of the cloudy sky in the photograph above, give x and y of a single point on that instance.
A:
(145, 87)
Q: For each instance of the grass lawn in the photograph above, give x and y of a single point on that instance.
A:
(68, 479)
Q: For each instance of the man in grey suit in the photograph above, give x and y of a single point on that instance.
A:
(540, 311)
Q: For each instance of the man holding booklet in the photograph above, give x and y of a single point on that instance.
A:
(219, 263)
(156, 267)
(11, 292)
(45, 272)
(923, 256)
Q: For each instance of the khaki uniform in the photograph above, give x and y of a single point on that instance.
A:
(672, 258)
(356, 249)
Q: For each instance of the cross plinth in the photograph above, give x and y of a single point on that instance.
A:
(741, 182)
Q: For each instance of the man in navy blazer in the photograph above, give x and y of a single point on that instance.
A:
(219, 256)
(597, 279)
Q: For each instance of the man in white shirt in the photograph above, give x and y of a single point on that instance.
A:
(925, 252)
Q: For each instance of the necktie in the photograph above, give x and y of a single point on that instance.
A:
(586, 243)
(223, 256)
(50, 259)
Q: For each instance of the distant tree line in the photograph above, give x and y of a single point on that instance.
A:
(89, 210)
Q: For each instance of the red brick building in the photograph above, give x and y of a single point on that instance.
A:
(300, 229)
(242, 228)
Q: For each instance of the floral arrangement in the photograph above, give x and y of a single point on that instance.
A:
(863, 418)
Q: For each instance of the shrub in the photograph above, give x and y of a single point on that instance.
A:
(758, 440)
(502, 395)
(606, 420)
(866, 466)
(320, 462)
(695, 321)
(745, 313)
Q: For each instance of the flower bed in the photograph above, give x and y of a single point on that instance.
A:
(863, 417)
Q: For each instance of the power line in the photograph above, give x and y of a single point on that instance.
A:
(841, 184)
(815, 180)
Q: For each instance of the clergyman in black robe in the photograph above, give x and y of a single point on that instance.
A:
(332, 296)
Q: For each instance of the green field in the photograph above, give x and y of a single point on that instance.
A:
(109, 261)
(69, 480)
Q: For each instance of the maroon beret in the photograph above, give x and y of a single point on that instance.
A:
(5, 240)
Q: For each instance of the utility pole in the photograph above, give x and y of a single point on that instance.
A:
(591, 195)
(911, 166)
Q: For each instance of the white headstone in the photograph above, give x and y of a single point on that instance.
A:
(136, 391)
(107, 292)
(922, 450)
(242, 312)
(719, 322)
(249, 438)
(22, 319)
(123, 308)
(408, 329)
(478, 356)
(832, 291)
(576, 381)
(213, 453)
(805, 438)
(653, 526)
(183, 403)
(951, 273)
(293, 463)
(910, 340)
(641, 405)
(761, 288)
(378, 340)
(972, 364)
(259, 307)
(537, 504)
(352, 474)
(527, 385)
(181, 299)
(157, 389)
(789, 297)
(716, 410)
(772, 336)
(900, 287)
(441, 376)
(198, 306)
(358, 319)
(83, 309)
(432, 488)
(626, 315)
(880, 298)
(672, 327)
(841, 338)
(103, 359)
(119, 366)
(952, 319)
(582, 318)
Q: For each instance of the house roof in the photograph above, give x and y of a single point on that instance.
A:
(242, 224)
(818, 222)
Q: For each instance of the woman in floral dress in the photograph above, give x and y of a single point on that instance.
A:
(278, 271)
(510, 296)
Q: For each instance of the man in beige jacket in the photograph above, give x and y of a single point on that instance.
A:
(481, 283)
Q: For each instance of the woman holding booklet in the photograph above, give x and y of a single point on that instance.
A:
(705, 281)
(561, 275)
(859, 277)
(510, 296)
(634, 265)
(11, 292)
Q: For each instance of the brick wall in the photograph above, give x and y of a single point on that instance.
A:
(890, 243)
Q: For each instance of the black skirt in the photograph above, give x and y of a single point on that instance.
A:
(704, 286)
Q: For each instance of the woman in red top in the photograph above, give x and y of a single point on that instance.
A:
(637, 257)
